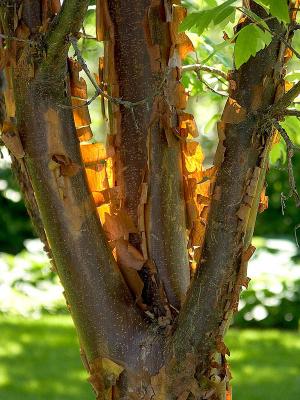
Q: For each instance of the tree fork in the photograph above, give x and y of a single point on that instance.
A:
(127, 356)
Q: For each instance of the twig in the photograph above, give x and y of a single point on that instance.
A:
(197, 71)
(282, 203)
(292, 112)
(135, 120)
(100, 92)
(206, 68)
(84, 35)
(7, 37)
(279, 108)
(295, 232)
(211, 88)
(295, 27)
(290, 153)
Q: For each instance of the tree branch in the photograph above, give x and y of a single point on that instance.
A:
(206, 68)
(290, 147)
(292, 113)
(279, 108)
(66, 23)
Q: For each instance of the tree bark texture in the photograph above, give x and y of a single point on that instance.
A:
(151, 248)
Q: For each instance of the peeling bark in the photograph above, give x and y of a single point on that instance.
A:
(83, 259)
(241, 159)
(140, 31)
(121, 222)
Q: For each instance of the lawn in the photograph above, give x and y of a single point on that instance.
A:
(39, 360)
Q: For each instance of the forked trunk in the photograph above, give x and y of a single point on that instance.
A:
(128, 225)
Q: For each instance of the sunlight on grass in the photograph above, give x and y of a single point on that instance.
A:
(265, 364)
(39, 359)
(48, 365)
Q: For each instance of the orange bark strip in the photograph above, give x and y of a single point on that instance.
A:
(181, 42)
(11, 139)
(109, 196)
(92, 153)
(84, 133)
(96, 176)
(55, 6)
(77, 83)
(187, 125)
(128, 256)
(81, 113)
(9, 94)
(101, 25)
(229, 394)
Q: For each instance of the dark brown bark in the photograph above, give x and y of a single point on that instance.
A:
(137, 55)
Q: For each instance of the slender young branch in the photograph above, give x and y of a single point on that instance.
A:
(67, 22)
(208, 86)
(296, 27)
(17, 39)
(283, 103)
(292, 113)
(295, 233)
(206, 68)
(290, 154)
(100, 92)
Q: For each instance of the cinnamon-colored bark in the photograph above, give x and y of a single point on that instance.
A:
(241, 159)
(138, 46)
(125, 265)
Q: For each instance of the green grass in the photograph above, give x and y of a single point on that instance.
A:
(40, 360)
(265, 364)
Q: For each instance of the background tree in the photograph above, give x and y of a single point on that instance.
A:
(128, 225)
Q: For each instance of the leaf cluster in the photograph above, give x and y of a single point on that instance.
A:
(251, 38)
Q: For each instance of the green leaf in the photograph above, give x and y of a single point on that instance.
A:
(199, 21)
(189, 21)
(278, 8)
(293, 76)
(204, 19)
(251, 39)
(278, 154)
(223, 14)
(292, 125)
(255, 18)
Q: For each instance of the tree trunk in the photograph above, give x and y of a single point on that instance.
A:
(128, 228)
(146, 161)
